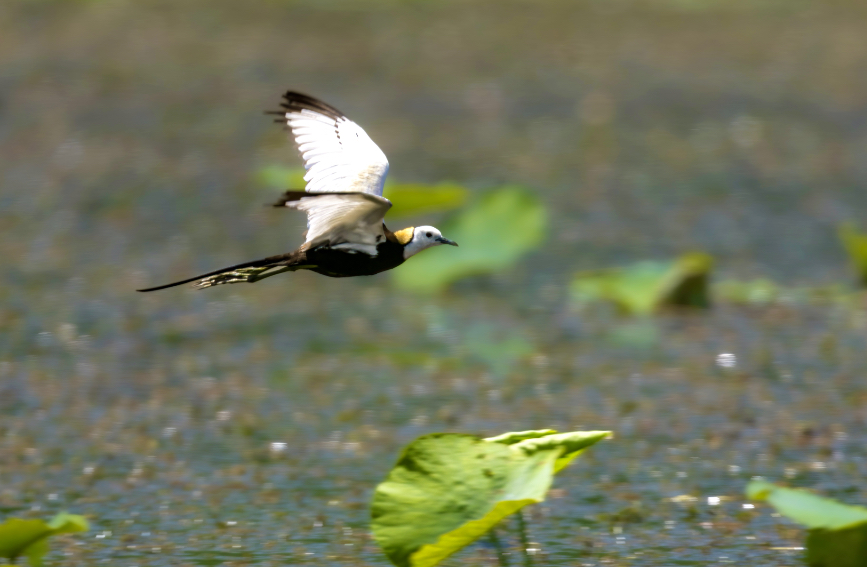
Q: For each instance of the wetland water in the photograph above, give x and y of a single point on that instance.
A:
(248, 425)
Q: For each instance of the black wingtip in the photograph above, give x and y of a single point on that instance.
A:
(295, 101)
(289, 196)
(296, 195)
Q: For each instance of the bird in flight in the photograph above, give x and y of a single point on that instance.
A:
(346, 234)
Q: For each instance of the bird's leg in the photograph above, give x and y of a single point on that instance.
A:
(279, 270)
(248, 275)
(267, 274)
(233, 276)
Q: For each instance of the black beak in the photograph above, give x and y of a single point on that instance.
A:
(445, 240)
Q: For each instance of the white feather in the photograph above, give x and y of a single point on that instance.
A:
(349, 222)
(338, 154)
(339, 157)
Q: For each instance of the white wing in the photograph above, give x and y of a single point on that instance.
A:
(338, 154)
(350, 221)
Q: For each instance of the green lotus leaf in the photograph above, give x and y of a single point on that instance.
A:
(806, 508)
(16, 535)
(64, 523)
(493, 232)
(410, 199)
(281, 177)
(569, 445)
(837, 548)
(407, 198)
(759, 291)
(30, 537)
(516, 436)
(838, 532)
(764, 292)
(646, 287)
(855, 243)
(449, 489)
(36, 552)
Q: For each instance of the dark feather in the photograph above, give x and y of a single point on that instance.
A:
(296, 257)
(296, 195)
(295, 102)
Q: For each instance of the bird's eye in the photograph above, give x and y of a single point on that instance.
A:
(429, 234)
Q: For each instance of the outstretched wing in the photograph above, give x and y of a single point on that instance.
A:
(350, 221)
(338, 154)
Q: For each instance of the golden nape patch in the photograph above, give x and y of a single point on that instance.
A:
(404, 235)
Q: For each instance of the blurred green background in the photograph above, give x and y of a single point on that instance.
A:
(247, 425)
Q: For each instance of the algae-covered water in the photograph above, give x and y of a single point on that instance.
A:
(249, 424)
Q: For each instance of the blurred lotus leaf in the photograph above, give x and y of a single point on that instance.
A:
(646, 287)
(449, 489)
(30, 537)
(407, 198)
(410, 199)
(763, 291)
(758, 291)
(280, 177)
(513, 437)
(855, 243)
(493, 232)
(838, 532)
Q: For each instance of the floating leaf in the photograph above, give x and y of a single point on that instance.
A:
(567, 445)
(758, 291)
(449, 489)
(806, 508)
(838, 532)
(646, 287)
(64, 523)
(493, 233)
(16, 535)
(763, 292)
(517, 436)
(30, 537)
(415, 198)
(855, 243)
(837, 548)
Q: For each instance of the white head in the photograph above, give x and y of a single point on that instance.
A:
(424, 237)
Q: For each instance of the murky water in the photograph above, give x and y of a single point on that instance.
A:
(248, 425)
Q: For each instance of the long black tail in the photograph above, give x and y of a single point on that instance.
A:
(245, 272)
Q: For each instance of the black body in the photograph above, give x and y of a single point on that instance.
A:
(337, 263)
